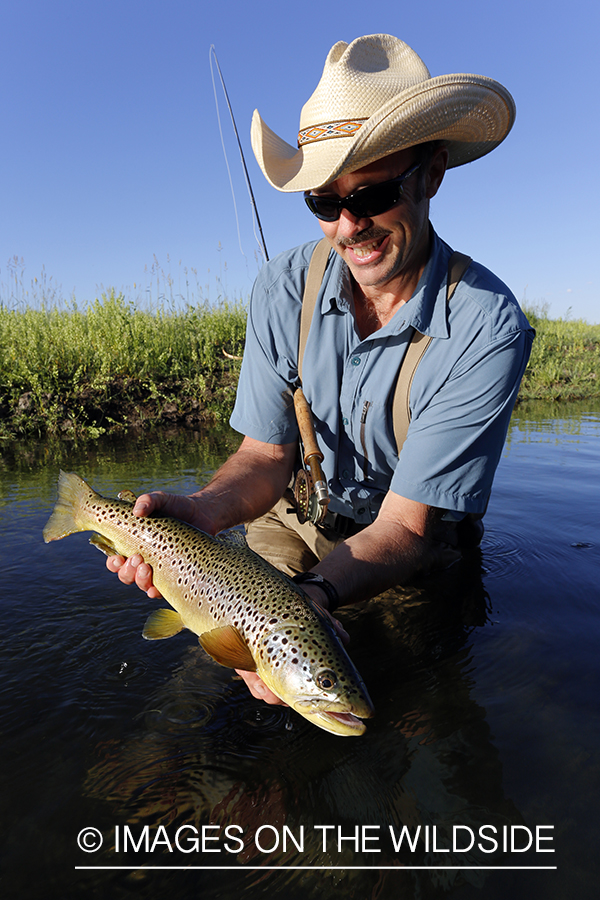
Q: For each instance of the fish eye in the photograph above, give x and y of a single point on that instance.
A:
(326, 680)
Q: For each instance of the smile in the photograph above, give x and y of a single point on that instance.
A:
(364, 251)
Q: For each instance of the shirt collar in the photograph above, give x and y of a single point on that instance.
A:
(426, 309)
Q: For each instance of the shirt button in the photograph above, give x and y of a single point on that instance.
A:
(355, 360)
(345, 420)
(345, 473)
(360, 511)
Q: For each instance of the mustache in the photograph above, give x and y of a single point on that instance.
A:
(374, 233)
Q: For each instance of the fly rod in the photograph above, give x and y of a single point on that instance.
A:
(213, 53)
(311, 492)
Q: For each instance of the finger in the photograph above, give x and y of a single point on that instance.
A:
(143, 574)
(144, 505)
(114, 563)
(175, 505)
(143, 579)
(127, 572)
(259, 689)
(447, 556)
(340, 630)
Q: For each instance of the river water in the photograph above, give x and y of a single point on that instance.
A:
(485, 679)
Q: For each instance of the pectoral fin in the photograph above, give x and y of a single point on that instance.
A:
(103, 544)
(162, 623)
(227, 646)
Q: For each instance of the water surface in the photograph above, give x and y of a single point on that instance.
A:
(485, 680)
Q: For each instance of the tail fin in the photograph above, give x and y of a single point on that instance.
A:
(72, 493)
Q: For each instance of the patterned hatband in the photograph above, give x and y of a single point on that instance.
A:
(329, 130)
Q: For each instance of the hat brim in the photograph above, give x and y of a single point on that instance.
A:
(471, 113)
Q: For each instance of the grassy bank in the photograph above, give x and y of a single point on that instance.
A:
(565, 359)
(114, 366)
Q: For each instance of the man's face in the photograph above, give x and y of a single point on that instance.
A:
(392, 245)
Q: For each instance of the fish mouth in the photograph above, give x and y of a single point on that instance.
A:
(347, 724)
(344, 724)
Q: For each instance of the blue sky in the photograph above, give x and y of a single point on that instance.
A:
(111, 159)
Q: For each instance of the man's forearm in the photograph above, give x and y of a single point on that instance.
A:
(246, 486)
(392, 551)
(370, 563)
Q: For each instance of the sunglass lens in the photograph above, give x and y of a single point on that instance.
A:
(376, 200)
(327, 210)
(370, 201)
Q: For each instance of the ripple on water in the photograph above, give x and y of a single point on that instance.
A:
(508, 553)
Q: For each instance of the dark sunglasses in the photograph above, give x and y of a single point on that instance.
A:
(368, 202)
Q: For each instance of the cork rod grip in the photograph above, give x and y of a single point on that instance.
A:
(307, 429)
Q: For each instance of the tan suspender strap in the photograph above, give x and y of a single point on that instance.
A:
(457, 266)
(314, 277)
(401, 402)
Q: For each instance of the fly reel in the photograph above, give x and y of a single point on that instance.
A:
(308, 508)
(310, 488)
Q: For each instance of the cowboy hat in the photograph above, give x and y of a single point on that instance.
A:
(375, 97)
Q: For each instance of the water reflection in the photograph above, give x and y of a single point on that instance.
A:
(485, 681)
(203, 753)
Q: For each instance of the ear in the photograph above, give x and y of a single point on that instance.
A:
(437, 170)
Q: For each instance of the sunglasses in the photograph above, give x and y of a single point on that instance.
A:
(368, 202)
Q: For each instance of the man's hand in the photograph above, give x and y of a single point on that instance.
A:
(246, 486)
(134, 570)
(259, 689)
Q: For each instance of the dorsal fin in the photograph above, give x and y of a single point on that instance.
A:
(233, 537)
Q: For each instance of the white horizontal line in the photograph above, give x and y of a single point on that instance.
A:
(319, 868)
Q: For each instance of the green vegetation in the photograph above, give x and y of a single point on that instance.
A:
(565, 359)
(111, 366)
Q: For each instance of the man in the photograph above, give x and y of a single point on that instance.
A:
(375, 140)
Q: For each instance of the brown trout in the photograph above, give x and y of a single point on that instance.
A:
(246, 613)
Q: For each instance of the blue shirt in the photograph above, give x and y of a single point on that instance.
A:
(461, 398)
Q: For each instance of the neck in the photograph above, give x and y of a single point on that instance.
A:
(375, 305)
(373, 312)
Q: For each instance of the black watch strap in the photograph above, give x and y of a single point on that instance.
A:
(313, 578)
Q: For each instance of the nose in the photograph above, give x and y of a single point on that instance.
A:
(350, 225)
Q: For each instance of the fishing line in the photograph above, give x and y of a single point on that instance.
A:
(256, 219)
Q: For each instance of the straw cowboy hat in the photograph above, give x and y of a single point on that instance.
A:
(375, 97)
